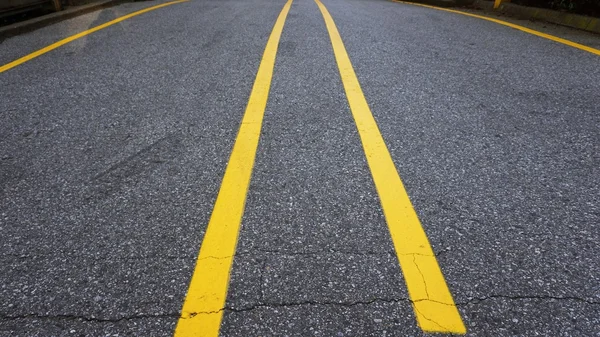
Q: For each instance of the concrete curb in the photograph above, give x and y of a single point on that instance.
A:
(35, 23)
(582, 22)
(444, 3)
(438, 3)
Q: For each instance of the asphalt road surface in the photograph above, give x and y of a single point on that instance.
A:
(113, 150)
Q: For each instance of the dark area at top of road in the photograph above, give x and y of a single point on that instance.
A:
(10, 19)
(13, 13)
(583, 7)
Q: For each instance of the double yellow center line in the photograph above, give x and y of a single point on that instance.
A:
(204, 304)
(432, 302)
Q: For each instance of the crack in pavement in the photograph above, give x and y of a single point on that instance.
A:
(422, 276)
(4, 316)
(293, 304)
(476, 300)
(253, 252)
(85, 318)
(215, 257)
(429, 319)
(169, 257)
(110, 258)
(416, 254)
(323, 252)
(315, 303)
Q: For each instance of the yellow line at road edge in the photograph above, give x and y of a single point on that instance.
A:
(512, 25)
(431, 299)
(80, 35)
(203, 306)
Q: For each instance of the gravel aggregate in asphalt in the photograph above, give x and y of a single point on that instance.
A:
(112, 150)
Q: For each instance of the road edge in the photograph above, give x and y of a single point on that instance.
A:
(36, 23)
(581, 22)
(438, 3)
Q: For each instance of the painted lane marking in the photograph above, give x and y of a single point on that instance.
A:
(431, 299)
(71, 38)
(512, 25)
(202, 310)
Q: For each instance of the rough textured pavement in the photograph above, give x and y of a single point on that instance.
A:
(112, 150)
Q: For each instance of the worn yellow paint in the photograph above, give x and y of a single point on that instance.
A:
(432, 302)
(497, 3)
(512, 25)
(80, 35)
(203, 306)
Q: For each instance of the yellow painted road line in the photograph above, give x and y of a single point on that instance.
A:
(432, 302)
(80, 35)
(203, 307)
(512, 25)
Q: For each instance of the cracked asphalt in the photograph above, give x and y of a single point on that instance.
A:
(113, 148)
